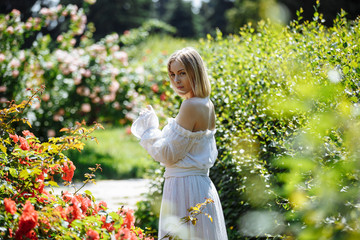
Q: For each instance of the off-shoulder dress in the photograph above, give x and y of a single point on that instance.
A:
(187, 157)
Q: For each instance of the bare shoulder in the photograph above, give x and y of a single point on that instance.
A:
(187, 114)
(196, 114)
(191, 105)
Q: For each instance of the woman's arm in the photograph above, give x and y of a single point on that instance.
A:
(165, 148)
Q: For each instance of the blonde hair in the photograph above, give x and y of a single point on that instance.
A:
(195, 68)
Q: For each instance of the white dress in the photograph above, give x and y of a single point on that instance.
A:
(187, 157)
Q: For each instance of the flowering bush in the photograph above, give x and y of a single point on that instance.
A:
(84, 79)
(27, 166)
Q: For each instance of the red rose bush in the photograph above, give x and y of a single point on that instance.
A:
(27, 166)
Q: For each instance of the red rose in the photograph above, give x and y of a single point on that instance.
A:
(40, 179)
(129, 219)
(101, 205)
(107, 225)
(10, 206)
(28, 220)
(15, 137)
(60, 211)
(124, 233)
(68, 171)
(163, 97)
(73, 212)
(85, 202)
(24, 144)
(27, 133)
(92, 235)
(25, 161)
(31, 235)
(155, 88)
(54, 169)
(67, 196)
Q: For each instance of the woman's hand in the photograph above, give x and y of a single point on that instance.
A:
(146, 110)
(147, 119)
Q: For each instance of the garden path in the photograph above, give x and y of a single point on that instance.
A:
(115, 193)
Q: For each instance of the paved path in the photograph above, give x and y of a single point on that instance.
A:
(115, 193)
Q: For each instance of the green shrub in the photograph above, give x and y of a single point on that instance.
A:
(283, 96)
(287, 104)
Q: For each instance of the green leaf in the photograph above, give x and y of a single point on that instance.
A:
(3, 149)
(24, 174)
(52, 183)
(13, 172)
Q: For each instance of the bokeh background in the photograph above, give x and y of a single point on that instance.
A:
(285, 78)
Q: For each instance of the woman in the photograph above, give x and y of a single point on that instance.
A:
(186, 147)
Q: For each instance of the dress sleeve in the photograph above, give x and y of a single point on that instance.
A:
(144, 122)
(167, 146)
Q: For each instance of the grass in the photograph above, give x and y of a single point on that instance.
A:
(119, 153)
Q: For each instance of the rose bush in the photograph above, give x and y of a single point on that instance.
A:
(85, 79)
(27, 166)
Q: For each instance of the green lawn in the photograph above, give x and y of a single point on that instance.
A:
(118, 152)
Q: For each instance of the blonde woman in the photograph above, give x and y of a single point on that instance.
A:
(186, 147)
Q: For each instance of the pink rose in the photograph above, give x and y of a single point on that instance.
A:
(86, 107)
(10, 30)
(15, 73)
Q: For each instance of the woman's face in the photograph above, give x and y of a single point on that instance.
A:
(180, 80)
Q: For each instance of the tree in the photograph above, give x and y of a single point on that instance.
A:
(213, 14)
(160, 9)
(244, 11)
(24, 7)
(329, 8)
(111, 16)
(179, 14)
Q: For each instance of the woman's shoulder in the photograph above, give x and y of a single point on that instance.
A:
(196, 102)
(196, 114)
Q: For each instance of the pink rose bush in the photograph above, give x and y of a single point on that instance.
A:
(84, 77)
(27, 166)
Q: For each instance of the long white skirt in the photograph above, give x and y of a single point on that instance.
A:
(181, 193)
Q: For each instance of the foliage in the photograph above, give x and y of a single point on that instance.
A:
(85, 80)
(109, 16)
(191, 218)
(213, 15)
(116, 163)
(27, 166)
(152, 26)
(287, 104)
(180, 16)
(287, 115)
